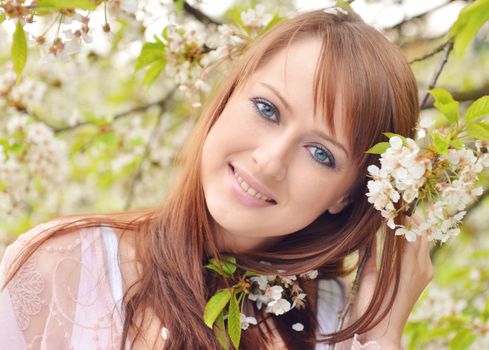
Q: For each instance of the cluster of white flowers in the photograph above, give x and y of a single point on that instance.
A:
(35, 161)
(72, 32)
(185, 50)
(256, 18)
(18, 96)
(191, 51)
(448, 211)
(402, 177)
(401, 173)
(279, 294)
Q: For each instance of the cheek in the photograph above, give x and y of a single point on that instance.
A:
(312, 195)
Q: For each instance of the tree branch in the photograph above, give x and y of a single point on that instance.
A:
(418, 16)
(120, 115)
(198, 14)
(477, 201)
(147, 149)
(354, 289)
(446, 51)
(429, 54)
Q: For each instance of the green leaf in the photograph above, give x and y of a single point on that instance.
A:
(150, 53)
(109, 139)
(18, 148)
(68, 4)
(457, 144)
(250, 274)
(164, 33)
(463, 339)
(479, 131)
(95, 119)
(379, 148)
(19, 49)
(234, 321)
(468, 24)
(440, 144)
(478, 109)
(229, 265)
(2, 17)
(215, 306)
(179, 5)
(153, 72)
(391, 134)
(445, 103)
(225, 268)
(220, 332)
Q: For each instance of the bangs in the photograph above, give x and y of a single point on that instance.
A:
(349, 80)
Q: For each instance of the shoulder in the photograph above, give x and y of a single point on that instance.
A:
(55, 237)
(60, 271)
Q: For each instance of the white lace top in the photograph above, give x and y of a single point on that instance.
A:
(68, 295)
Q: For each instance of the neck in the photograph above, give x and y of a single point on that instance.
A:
(236, 244)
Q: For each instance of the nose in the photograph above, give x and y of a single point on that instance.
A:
(272, 157)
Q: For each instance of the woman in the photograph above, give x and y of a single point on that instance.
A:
(275, 171)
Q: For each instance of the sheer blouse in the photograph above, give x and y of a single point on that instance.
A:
(68, 295)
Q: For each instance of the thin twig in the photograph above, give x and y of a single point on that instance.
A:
(429, 54)
(477, 201)
(446, 51)
(147, 149)
(354, 289)
(198, 14)
(139, 170)
(117, 116)
(418, 16)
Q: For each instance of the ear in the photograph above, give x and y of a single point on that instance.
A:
(339, 205)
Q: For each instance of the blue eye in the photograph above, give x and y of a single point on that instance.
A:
(322, 156)
(266, 109)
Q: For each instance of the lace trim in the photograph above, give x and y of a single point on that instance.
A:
(370, 345)
(25, 290)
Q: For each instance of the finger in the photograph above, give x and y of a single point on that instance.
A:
(424, 246)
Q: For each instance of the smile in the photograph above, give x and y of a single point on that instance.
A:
(248, 190)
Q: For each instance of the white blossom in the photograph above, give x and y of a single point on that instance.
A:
(278, 307)
(256, 18)
(165, 333)
(246, 321)
(298, 299)
(274, 292)
(313, 274)
(298, 327)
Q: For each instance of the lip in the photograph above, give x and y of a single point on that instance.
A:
(252, 182)
(245, 197)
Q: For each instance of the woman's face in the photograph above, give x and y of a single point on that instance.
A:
(269, 166)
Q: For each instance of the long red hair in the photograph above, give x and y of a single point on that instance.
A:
(378, 94)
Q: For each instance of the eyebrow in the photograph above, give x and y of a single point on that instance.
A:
(319, 133)
(275, 91)
(333, 141)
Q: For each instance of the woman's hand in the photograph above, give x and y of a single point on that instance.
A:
(416, 273)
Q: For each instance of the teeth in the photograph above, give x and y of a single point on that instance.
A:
(250, 190)
(245, 186)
